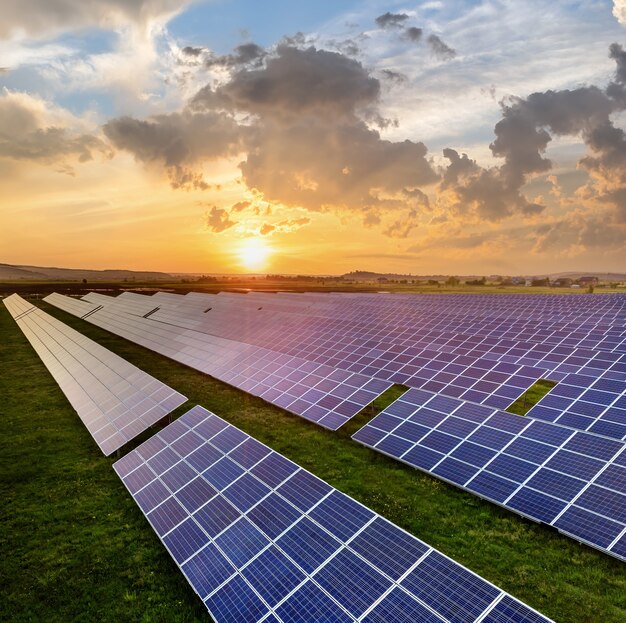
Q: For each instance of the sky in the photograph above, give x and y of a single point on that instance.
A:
(222, 136)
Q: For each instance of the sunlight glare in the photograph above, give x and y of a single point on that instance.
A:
(254, 254)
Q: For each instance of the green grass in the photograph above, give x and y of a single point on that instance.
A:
(75, 547)
(531, 397)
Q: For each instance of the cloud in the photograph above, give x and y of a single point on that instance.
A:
(487, 194)
(191, 51)
(285, 226)
(240, 206)
(306, 139)
(245, 54)
(391, 20)
(44, 17)
(414, 34)
(294, 82)
(401, 228)
(218, 220)
(304, 121)
(440, 49)
(31, 129)
(178, 141)
(619, 10)
(310, 145)
(577, 232)
(522, 137)
(394, 76)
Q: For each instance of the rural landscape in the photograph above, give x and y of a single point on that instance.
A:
(313, 313)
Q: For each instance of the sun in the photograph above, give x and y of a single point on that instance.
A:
(254, 254)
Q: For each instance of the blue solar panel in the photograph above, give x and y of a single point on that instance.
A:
(449, 589)
(401, 607)
(279, 545)
(536, 505)
(533, 468)
(492, 487)
(556, 484)
(352, 582)
(589, 526)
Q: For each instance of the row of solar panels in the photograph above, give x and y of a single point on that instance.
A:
(115, 400)
(497, 378)
(261, 539)
(320, 393)
(493, 379)
(574, 481)
(534, 477)
(258, 537)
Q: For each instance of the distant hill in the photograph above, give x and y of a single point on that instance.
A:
(11, 272)
(363, 275)
(601, 276)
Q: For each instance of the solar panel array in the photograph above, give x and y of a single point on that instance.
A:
(483, 349)
(320, 393)
(572, 480)
(466, 357)
(261, 539)
(115, 400)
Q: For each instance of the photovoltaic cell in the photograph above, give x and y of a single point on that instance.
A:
(296, 550)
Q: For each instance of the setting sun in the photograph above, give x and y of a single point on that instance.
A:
(254, 254)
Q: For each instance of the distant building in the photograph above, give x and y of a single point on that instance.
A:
(562, 282)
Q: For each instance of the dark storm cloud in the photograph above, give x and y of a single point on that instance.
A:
(391, 20)
(440, 49)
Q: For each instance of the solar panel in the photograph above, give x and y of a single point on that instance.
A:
(115, 400)
(261, 539)
(572, 480)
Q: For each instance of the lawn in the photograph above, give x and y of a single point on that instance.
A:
(74, 546)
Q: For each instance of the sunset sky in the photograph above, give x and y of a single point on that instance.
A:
(453, 136)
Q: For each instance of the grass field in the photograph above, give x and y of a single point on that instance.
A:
(531, 397)
(260, 284)
(75, 547)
